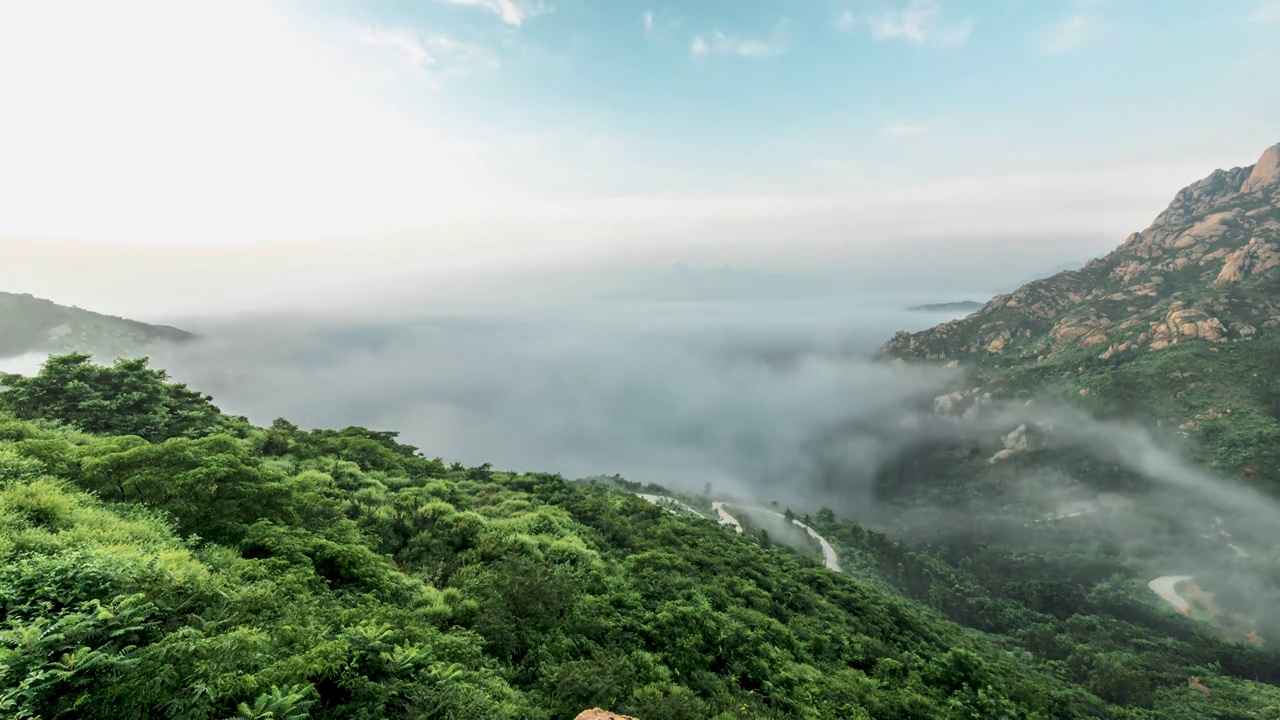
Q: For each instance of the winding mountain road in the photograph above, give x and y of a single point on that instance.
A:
(1164, 587)
(829, 556)
(671, 504)
(725, 517)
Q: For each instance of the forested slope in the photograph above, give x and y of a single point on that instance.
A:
(29, 324)
(161, 559)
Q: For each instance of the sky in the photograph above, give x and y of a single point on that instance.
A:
(150, 147)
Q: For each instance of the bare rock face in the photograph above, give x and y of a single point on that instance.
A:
(1020, 439)
(1160, 287)
(1000, 456)
(1208, 230)
(1266, 173)
(1253, 259)
(1016, 440)
(953, 403)
(998, 342)
(1114, 350)
(598, 714)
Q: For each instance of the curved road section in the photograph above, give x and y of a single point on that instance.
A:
(829, 556)
(725, 517)
(671, 504)
(1164, 587)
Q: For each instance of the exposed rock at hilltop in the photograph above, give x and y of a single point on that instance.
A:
(598, 714)
(1204, 271)
(1266, 173)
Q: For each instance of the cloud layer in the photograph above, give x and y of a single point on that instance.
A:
(729, 392)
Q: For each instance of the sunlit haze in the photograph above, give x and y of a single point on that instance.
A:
(639, 359)
(516, 132)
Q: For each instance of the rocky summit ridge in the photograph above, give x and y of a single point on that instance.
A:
(1206, 270)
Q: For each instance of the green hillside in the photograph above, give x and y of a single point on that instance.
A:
(162, 559)
(30, 325)
(1166, 354)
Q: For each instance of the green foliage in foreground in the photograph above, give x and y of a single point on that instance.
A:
(211, 570)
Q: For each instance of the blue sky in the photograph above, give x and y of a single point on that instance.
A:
(806, 89)
(202, 138)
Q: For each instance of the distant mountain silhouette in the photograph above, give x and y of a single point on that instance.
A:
(30, 325)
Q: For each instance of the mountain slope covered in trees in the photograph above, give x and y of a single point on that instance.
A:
(1112, 430)
(31, 325)
(161, 559)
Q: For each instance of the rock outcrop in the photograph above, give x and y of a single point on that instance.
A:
(598, 714)
(1200, 272)
(1266, 172)
(1255, 258)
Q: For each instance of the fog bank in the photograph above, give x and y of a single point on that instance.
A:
(731, 392)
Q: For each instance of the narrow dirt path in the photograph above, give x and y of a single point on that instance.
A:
(829, 556)
(725, 517)
(670, 503)
(1164, 587)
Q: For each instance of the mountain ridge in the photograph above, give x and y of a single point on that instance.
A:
(1201, 270)
(29, 324)
(955, 306)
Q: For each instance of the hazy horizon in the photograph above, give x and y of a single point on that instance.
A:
(352, 146)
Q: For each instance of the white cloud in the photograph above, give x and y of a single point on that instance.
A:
(922, 22)
(1267, 12)
(904, 130)
(729, 45)
(647, 19)
(845, 20)
(1070, 34)
(460, 56)
(405, 42)
(509, 11)
(233, 124)
(432, 54)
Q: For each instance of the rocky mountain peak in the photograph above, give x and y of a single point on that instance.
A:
(1205, 270)
(1266, 172)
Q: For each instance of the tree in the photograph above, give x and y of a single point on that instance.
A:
(211, 486)
(127, 398)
